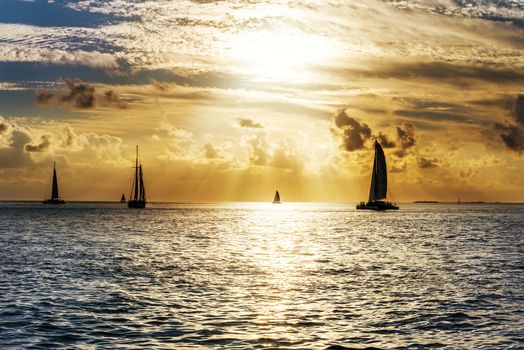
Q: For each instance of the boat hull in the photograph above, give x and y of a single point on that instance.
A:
(136, 204)
(53, 201)
(378, 205)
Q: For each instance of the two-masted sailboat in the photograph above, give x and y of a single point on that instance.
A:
(276, 199)
(379, 184)
(137, 197)
(55, 198)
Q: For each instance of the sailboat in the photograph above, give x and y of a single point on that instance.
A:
(276, 199)
(379, 184)
(55, 198)
(123, 199)
(137, 198)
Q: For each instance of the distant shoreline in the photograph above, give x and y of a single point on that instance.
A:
(226, 202)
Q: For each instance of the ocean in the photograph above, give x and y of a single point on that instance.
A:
(261, 276)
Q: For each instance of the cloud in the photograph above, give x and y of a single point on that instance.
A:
(3, 127)
(14, 156)
(75, 93)
(284, 157)
(69, 137)
(159, 85)
(512, 136)
(428, 163)
(512, 133)
(42, 146)
(384, 141)
(518, 110)
(93, 59)
(354, 134)
(406, 139)
(259, 154)
(449, 73)
(211, 152)
(249, 123)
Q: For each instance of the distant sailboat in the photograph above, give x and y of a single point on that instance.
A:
(276, 199)
(379, 184)
(55, 198)
(137, 198)
(123, 199)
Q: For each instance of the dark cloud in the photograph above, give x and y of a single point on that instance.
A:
(384, 141)
(354, 134)
(249, 123)
(405, 139)
(78, 94)
(427, 163)
(42, 146)
(449, 73)
(3, 127)
(406, 136)
(512, 136)
(398, 168)
(518, 111)
(433, 115)
(512, 133)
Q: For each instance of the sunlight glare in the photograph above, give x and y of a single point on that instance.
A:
(279, 56)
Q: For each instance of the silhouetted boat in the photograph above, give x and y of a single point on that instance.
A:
(55, 198)
(123, 199)
(137, 198)
(379, 184)
(276, 199)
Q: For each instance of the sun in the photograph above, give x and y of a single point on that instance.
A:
(279, 55)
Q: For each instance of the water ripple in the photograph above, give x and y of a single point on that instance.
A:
(256, 276)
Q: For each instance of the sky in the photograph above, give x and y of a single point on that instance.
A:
(231, 100)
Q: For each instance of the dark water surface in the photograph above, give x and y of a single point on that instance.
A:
(251, 276)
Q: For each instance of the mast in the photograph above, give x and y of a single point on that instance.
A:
(373, 177)
(54, 191)
(136, 175)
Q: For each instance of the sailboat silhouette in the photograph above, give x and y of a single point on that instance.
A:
(123, 199)
(55, 198)
(379, 184)
(137, 198)
(276, 199)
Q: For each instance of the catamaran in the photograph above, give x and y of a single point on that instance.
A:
(276, 199)
(379, 184)
(55, 198)
(137, 197)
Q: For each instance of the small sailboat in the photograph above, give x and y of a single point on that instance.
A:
(276, 199)
(55, 198)
(379, 184)
(137, 198)
(123, 199)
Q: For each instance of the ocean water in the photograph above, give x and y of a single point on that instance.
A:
(261, 276)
